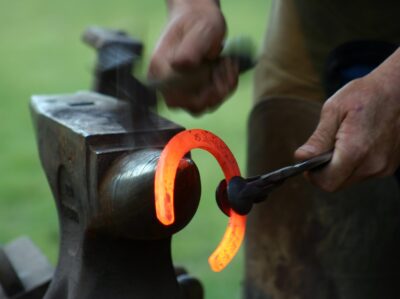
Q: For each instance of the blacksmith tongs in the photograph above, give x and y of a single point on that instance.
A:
(240, 193)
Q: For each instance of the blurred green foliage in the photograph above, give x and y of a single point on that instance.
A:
(41, 53)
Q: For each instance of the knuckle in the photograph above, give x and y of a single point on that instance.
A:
(153, 67)
(157, 67)
(354, 153)
(378, 166)
(329, 107)
(196, 112)
(328, 186)
(216, 25)
(320, 137)
(386, 171)
(196, 108)
(186, 57)
(357, 84)
(324, 181)
(359, 152)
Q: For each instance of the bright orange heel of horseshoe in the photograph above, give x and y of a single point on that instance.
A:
(167, 166)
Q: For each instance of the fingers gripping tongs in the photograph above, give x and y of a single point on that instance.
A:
(240, 193)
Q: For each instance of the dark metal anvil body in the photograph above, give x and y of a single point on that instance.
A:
(100, 165)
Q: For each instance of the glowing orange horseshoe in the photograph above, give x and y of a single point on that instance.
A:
(164, 182)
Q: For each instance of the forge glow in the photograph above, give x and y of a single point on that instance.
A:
(164, 182)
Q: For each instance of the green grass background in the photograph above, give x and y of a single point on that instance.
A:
(41, 53)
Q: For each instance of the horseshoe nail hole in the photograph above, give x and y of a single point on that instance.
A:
(81, 104)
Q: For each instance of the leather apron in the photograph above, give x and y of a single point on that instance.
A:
(303, 243)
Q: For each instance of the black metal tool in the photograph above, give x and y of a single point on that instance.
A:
(240, 193)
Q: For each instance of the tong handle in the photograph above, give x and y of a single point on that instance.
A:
(293, 170)
(243, 193)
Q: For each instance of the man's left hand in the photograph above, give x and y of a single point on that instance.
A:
(361, 122)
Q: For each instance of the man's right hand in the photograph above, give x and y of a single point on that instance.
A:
(190, 48)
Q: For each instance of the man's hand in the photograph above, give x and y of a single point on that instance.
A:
(189, 48)
(361, 122)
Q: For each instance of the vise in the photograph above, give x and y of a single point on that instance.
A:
(99, 150)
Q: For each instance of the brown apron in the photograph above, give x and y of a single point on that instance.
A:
(302, 33)
(303, 243)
